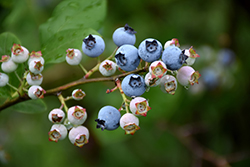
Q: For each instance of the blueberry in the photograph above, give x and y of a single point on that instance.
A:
(133, 85)
(210, 77)
(173, 57)
(124, 35)
(93, 45)
(226, 57)
(150, 50)
(108, 118)
(127, 57)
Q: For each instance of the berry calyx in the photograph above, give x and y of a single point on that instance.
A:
(150, 81)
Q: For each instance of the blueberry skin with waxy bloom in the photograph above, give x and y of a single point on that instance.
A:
(173, 57)
(150, 50)
(93, 45)
(124, 35)
(127, 58)
(108, 118)
(133, 85)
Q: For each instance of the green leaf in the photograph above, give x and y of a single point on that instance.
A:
(55, 49)
(7, 40)
(29, 107)
(74, 14)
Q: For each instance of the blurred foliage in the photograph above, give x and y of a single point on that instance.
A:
(218, 117)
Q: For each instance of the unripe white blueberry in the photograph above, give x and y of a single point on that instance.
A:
(150, 81)
(36, 92)
(192, 55)
(171, 42)
(157, 69)
(77, 115)
(19, 54)
(73, 56)
(57, 132)
(130, 123)
(168, 84)
(107, 68)
(8, 65)
(139, 106)
(34, 79)
(56, 115)
(4, 79)
(36, 56)
(79, 136)
(36, 66)
(78, 94)
(187, 76)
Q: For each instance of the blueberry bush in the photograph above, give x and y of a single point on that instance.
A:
(118, 86)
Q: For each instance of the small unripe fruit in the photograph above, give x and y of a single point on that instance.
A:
(56, 115)
(79, 136)
(168, 84)
(19, 54)
(107, 68)
(57, 132)
(187, 76)
(130, 123)
(8, 65)
(4, 79)
(78, 94)
(34, 79)
(73, 56)
(77, 115)
(157, 69)
(139, 106)
(36, 92)
(36, 66)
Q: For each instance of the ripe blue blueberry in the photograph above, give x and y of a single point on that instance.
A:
(133, 85)
(108, 118)
(173, 57)
(210, 77)
(124, 35)
(150, 50)
(127, 57)
(93, 45)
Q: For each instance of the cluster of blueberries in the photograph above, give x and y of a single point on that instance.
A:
(165, 65)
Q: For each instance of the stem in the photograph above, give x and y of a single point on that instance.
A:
(125, 100)
(13, 87)
(83, 69)
(18, 77)
(94, 69)
(54, 91)
(61, 99)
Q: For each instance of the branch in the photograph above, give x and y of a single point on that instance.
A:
(54, 91)
(185, 137)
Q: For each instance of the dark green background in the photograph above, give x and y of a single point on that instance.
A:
(220, 116)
